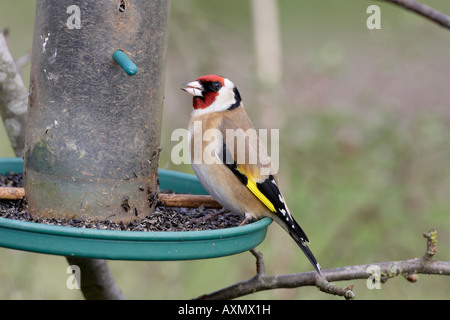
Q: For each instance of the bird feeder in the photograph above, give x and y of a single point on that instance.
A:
(95, 108)
(131, 245)
(93, 135)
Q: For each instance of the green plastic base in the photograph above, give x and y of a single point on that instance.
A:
(131, 245)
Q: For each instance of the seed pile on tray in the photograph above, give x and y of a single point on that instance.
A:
(162, 219)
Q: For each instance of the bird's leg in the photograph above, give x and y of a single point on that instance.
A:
(247, 219)
(210, 216)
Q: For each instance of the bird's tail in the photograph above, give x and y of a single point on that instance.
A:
(297, 233)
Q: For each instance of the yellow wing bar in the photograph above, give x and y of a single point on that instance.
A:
(254, 189)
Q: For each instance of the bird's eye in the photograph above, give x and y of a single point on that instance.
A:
(215, 86)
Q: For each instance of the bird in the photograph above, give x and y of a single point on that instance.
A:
(219, 131)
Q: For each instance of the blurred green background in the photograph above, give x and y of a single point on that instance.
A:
(364, 122)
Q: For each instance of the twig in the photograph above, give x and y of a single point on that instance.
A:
(260, 268)
(424, 11)
(431, 245)
(188, 200)
(331, 288)
(165, 199)
(386, 270)
(10, 193)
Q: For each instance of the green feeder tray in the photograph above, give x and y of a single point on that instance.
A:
(131, 245)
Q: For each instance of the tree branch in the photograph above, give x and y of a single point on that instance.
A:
(424, 11)
(13, 99)
(385, 270)
(97, 283)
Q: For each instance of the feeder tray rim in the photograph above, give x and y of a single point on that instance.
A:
(55, 230)
(130, 245)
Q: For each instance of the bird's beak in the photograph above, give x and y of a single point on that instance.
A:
(194, 88)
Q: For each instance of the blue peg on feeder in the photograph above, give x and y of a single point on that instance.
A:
(125, 62)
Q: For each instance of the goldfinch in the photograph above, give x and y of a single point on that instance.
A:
(229, 160)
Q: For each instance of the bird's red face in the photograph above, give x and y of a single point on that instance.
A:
(213, 92)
